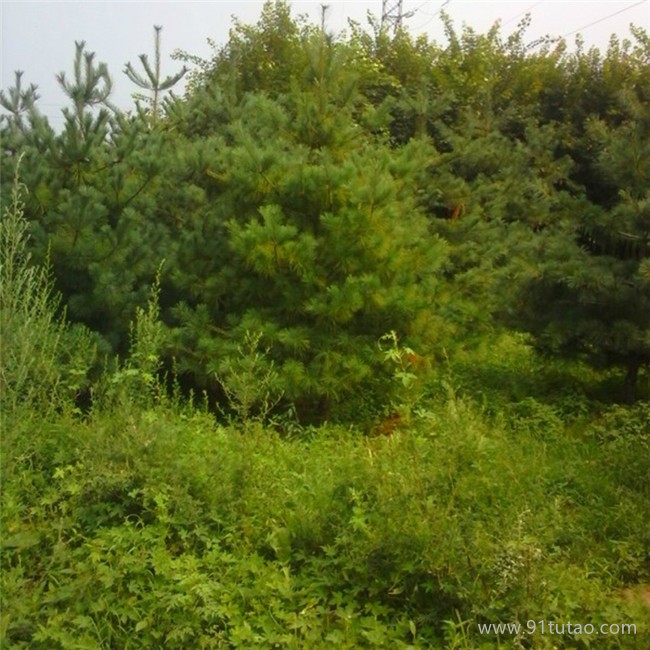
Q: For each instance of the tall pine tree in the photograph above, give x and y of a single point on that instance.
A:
(316, 241)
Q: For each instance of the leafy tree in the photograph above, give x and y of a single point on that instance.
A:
(266, 56)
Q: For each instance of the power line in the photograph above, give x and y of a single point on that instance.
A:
(414, 11)
(600, 20)
(432, 16)
(393, 13)
(521, 13)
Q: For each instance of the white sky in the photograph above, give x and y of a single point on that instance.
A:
(38, 36)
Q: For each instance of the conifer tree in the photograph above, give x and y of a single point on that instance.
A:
(153, 80)
(91, 86)
(19, 102)
(25, 134)
(88, 204)
(587, 291)
(316, 242)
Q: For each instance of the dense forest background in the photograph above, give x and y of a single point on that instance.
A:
(347, 346)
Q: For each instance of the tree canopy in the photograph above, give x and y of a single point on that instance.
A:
(320, 192)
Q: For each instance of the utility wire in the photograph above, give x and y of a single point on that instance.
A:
(414, 11)
(521, 13)
(600, 20)
(432, 16)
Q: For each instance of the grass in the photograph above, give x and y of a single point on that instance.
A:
(159, 528)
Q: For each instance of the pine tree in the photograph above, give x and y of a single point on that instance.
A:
(91, 86)
(23, 131)
(587, 292)
(153, 81)
(18, 102)
(316, 242)
(92, 203)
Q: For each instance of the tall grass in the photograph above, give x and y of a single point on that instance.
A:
(169, 530)
(43, 361)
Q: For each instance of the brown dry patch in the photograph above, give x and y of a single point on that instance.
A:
(637, 594)
(388, 426)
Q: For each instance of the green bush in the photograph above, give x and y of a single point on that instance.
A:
(44, 363)
(162, 529)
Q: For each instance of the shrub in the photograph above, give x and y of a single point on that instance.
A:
(44, 363)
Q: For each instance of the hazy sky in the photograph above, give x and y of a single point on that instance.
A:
(38, 37)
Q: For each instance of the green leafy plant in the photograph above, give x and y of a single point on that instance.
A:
(311, 194)
(250, 381)
(409, 372)
(137, 381)
(44, 362)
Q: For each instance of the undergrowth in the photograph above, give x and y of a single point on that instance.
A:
(162, 529)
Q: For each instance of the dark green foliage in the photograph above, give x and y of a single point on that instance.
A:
(588, 293)
(98, 223)
(92, 205)
(320, 193)
(43, 362)
(315, 241)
